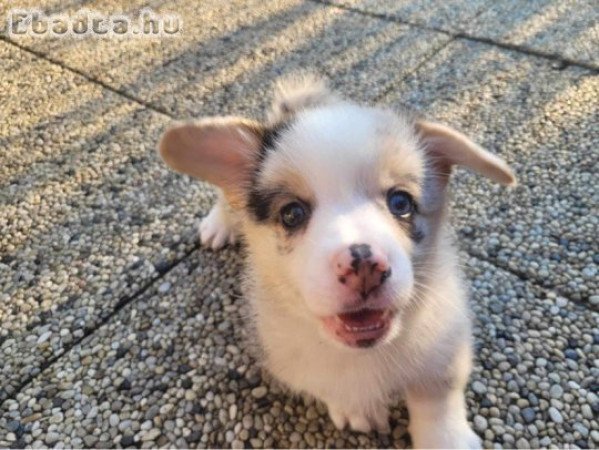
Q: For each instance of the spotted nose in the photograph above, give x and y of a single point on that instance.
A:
(361, 268)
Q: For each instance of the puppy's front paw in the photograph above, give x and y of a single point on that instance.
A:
(456, 435)
(218, 228)
(361, 421)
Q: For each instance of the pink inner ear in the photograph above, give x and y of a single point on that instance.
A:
(447, 147)
(220, 151)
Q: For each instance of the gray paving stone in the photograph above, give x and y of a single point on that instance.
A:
(88, 213)
(92, 216)
(566, 28)
(248, 45)
(544, 122)
(361, 57)
(163, 365)
(451, 15)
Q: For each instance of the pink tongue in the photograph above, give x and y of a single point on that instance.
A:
(362, 318)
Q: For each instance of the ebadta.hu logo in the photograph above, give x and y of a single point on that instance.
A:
(89, 23)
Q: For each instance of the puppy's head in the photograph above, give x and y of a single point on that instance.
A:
(339, 200)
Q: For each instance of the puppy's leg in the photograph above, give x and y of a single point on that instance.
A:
(438, 409)
(220, 226)
(438, 420)
(375, 417)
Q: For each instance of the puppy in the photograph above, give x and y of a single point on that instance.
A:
(351, 273)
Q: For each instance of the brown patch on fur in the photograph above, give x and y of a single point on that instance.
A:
(287, 180)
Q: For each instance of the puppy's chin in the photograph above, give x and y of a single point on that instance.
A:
(362, 329)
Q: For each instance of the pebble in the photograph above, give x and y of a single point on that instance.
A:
(528, 414)
(44, 337)
(51, 438)
(571, 354)
(584, 431)
(13, 425)
(556, 391)
(232, 411)
(587, 412)
(555, 415)
(90, 441)
(127, 440)
(125, 425)
(114, 420)
(259, 392)
(164, 288)
(480, 423)
(151, 435)
(479, 387)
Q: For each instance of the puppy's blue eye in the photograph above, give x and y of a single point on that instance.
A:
(293, 215)
(400, 203)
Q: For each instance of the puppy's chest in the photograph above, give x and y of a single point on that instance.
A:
(306, 362)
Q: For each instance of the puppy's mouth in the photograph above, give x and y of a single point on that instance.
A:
(360, 329)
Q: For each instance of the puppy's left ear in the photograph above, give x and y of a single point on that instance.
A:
(448, 147)
(220, 150)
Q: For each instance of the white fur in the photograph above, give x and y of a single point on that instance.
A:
(220, 226)
(343, 159)
(287, 294)
(356, 385)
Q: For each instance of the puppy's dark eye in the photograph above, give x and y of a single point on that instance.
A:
(293, 215)
(400, 203)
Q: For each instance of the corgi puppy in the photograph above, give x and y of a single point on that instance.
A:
(351, 274)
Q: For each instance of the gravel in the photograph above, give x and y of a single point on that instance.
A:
(85, 209)
(90, 217)
(235, 404)
(450, 15)
(546, 26)
(258, 42)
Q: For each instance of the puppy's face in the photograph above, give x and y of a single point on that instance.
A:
(341, 203)
(334, 214)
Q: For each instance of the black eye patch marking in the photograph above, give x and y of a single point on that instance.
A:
(259, 200)
(264, 205)
(260, 203)
(269, 137)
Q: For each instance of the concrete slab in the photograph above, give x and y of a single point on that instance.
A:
(88, 213)
(172, 369)
(245, 47)
(543, 121)
(449, 15)
(569, 29)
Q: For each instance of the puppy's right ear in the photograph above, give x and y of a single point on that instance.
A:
(220, 150)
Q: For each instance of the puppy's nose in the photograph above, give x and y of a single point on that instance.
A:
(361, 268)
